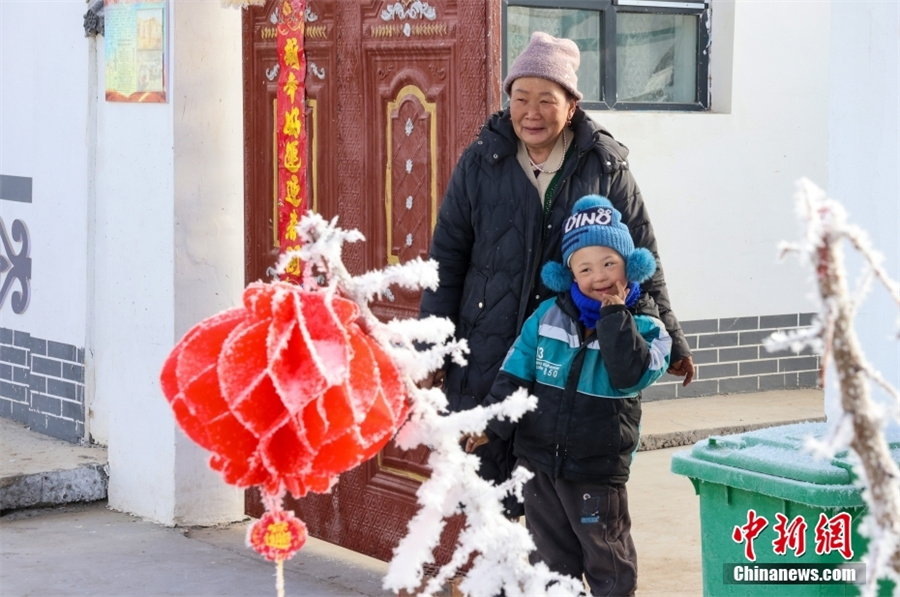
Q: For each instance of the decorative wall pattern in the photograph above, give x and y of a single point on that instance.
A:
(15, 265)
(42, 384)
(409, 9)
(15, 247)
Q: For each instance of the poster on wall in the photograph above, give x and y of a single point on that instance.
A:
(135, 43)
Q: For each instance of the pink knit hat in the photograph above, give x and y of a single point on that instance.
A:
(549, 58)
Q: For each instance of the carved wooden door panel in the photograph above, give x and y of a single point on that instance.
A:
(395, 90)
(261, 246)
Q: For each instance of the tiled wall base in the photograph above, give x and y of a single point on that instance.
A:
(730, 358)
(42, 384)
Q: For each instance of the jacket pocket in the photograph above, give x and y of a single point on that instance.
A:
(473, 303)
(594, 430)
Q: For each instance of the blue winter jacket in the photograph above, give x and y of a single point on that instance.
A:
(586, 424)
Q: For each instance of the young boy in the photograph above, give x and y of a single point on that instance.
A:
(586, 355)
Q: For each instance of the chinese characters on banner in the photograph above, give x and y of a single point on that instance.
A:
(291, 128)
(831, 534)
(135, 46)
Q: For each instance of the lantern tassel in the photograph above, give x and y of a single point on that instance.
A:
(279, 577)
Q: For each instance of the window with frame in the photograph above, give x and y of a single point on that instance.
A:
(635, 54)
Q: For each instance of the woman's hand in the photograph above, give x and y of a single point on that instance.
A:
(475, 440)
(435, 380)
(683, 368)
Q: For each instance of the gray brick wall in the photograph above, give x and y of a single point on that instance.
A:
(42, 384)
(730, 358)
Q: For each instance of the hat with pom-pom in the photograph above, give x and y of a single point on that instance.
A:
(595, 222)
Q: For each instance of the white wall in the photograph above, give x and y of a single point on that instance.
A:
(209, 213)
(864, 153)
(719, 185)
(134, 307)
(169, 251)
(43, 116)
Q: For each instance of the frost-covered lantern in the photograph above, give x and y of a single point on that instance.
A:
(287, 392)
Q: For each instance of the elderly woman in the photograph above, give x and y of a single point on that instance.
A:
(502, 218)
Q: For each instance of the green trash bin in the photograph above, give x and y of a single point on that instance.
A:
(774, 520)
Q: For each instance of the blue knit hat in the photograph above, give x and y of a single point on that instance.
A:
(595, 222)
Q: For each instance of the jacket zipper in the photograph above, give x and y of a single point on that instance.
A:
(571, 391)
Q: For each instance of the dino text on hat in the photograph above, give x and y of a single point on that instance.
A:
(552, 58)
(595, 222)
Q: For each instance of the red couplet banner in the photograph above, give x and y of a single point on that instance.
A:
(290, 131)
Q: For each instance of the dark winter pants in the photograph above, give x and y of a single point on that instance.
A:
(582, 528)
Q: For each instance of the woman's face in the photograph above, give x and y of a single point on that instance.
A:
(539, 109)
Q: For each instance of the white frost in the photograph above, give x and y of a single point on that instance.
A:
(497, 547)
(860, 422)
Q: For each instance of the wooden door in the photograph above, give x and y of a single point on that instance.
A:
(395, 91)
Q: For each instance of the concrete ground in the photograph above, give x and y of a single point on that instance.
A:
(52, 544)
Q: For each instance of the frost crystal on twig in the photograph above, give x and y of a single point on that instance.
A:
(496, 549)
(860, 426)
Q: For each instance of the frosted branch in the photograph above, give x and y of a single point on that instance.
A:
(494, 548)
(860, 427)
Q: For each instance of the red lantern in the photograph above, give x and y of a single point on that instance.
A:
(286, 391)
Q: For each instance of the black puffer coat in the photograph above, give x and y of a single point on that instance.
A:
(491, 241)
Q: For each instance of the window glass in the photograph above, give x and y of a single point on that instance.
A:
(581, 26)
(656, 58)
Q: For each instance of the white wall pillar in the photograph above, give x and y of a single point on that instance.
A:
(169, 252)
(209, 213)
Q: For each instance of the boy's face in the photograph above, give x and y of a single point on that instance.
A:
(599, 272)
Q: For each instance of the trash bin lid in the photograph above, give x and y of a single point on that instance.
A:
(775, 462)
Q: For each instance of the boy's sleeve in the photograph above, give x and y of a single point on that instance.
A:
(516, 372)
(635, 349)
(504, 385)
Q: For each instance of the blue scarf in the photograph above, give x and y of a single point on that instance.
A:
(590, 309)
